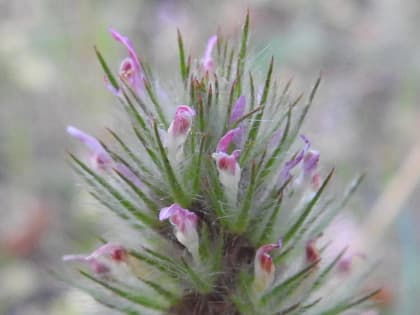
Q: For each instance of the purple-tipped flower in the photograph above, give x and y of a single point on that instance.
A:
(264, 269)
(229, 172)
(238, 109)
(130, 69)
(101, 259)
(285, 173)
(100, 158)
(178, 131)
(185, 225)
(207, 63)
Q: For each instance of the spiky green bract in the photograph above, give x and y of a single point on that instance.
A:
(218, 279)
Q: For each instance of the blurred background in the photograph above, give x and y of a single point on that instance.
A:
(366, 117)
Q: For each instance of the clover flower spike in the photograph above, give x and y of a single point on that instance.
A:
(185, 225)
(264, 269)
(101, 260)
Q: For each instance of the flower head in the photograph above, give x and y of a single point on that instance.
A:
(101, 260)
(207, 63)
(264, 269)
(185, 225)
(100, 158)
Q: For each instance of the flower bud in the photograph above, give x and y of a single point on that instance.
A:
(264, 269)
(178, 131)
(229, 172)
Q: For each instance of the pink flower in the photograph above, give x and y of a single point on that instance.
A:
(185, 225)
(178, 131)
(130, 69)
(264, 269)
(101, 260)
(308, 166)
(100, 158)
(207, 63)
(225, 141)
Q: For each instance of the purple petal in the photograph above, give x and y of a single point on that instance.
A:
(207, 61)
(238, 109)
(310, 162)
(91, 143)
(210, 45)
(127, 43)
(225, 141)
(166, 213)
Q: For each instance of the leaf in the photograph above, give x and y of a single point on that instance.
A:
(243, 218)
(177, 192)
(242, 50)
(153, 98)
(147, 302)
(284, 288)
(295, 227)
(338, 309)
(324, 274)
(182, 64)
(253, 132)
(150, 204)
(128, 205)
(120, 214)
(106, 69)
